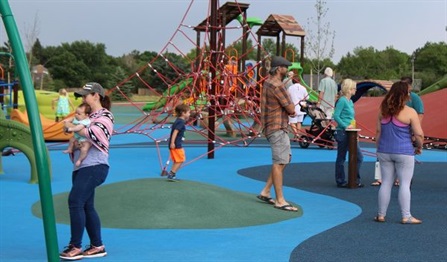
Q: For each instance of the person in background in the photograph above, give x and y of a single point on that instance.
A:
(396, 124)
(414, 102)
(297, 93)
(90, 174)
(288, 81)
(175, 141)
(328, 93)
(344, 115)
(276, 107)
(63, 104)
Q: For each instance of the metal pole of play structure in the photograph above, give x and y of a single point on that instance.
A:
(36, 132)
(212, 92)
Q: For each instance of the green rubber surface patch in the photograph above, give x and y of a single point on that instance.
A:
(155, 203)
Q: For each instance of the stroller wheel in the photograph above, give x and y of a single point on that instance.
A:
(304, 142)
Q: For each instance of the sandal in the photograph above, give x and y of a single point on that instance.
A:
(379, 219)
(411, 220)
(376, 183)
(287, 207)
(267, 200)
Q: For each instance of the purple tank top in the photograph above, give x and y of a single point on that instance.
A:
(395, 137)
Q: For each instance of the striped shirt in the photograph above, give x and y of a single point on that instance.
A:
(274, 99)
(98, 134)
(100, 130)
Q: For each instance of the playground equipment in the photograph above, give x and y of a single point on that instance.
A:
(442, 83)
(166, 94)
(52, 131)
(39, 148)
(251, 21)
(18, 135)
(44, 99)
(7, 98)
(14, 134)
(221, 86)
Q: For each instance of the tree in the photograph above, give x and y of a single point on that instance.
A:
(36, 52)
(126, 88)
(7, 62)
(65, 66)
(268, 47)
(31, 37)
(430, 62)
(395, 64)
(319, 39)
(78, 62)
(363, 63)
(94, 57)
(369, 63)
(250, 53)
(163, 70)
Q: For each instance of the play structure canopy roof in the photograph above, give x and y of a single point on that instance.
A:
(277, 23)
(227, 13)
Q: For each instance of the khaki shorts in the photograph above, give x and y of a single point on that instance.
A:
(280, 144)
(177, 155)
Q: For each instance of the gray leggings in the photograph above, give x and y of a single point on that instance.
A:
(402, 167)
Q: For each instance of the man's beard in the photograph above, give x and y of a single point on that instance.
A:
(282, 75)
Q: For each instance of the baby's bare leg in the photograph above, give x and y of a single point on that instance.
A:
(84, 147)
(71, 143)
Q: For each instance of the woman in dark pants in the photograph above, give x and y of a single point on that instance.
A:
(344, 115)
(91, 173)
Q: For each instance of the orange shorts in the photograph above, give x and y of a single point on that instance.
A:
(178, 155)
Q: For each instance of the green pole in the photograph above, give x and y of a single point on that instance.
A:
(43, 172)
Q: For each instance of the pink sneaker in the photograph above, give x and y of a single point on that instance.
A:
(71, 253)
(93, 251)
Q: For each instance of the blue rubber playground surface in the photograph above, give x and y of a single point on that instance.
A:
(329, 213)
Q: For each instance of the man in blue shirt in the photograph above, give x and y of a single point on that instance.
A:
(415, 101)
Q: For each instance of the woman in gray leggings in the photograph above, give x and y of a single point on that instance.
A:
(395, 126)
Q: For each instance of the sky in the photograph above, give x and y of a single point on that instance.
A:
(157, 25)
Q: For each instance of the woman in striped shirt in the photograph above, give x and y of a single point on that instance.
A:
(91, 173)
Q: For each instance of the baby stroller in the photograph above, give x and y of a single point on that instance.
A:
(321, 131)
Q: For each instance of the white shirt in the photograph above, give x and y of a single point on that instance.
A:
(298, 93)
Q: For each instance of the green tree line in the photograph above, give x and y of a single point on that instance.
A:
(73, 64)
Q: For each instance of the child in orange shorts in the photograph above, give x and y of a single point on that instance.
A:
(176, 150)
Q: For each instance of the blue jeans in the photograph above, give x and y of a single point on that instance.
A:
(81, 204)
(342, 148)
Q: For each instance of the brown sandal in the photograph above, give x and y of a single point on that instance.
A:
(376, 183)
(379, 219)
(411, 220)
